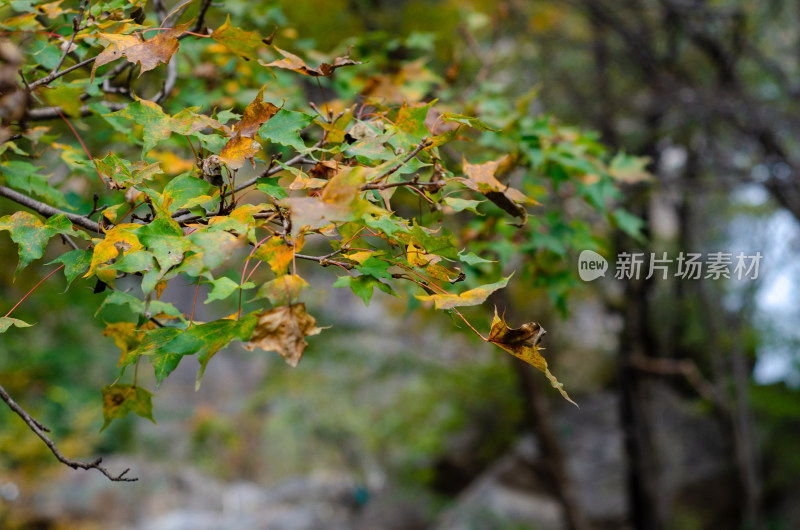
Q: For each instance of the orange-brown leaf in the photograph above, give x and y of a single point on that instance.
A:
(257, 113)
(523, 343)
(159, 49)
(237, 150)
(283, 330)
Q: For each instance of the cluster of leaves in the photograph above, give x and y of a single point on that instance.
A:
(372, 178)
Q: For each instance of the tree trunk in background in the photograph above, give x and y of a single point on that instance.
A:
(540, 421)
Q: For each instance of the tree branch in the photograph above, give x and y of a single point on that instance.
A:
(40, 431)
(198, 25)
(50, 113)
(49, 211)
(76, 27)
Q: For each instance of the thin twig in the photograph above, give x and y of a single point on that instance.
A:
(198, 25)
(49, 113)
(76, 27)
(422, 145)
(324, 261)
(40, 431)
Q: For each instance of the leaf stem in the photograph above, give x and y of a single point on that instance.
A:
(33, 289)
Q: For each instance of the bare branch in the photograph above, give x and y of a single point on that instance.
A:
(422, 145)
(40, 431)
(50, 113)
(49, 211)
(324, 260)
(76, 27)
(198, 25)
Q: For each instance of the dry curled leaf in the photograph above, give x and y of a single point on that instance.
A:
(523, 343)
(282, 330)
(481, 178)
(295, 63)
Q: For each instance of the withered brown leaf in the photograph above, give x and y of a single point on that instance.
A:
(523, 343)
(481, 178)
(282, 330)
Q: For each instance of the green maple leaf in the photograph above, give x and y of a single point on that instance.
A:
(362, 286)
(119, 174)
(166, 349)
(411, 120)
(241, 42)
(138, 306)
(156, 124)
(164, 238)
(7, 322)
(469, 121)
(76, 262)
(386, 224)
(284, 128)
(224, 287)
(184, 190)
(24, 176)
(120, 400)
(31, 235)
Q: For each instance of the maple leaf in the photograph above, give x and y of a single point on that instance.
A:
(7, 322)
(126, 335)
(119, 174)
(295, 63)
(31, 235)
(121, 238)
(283, 289)
(339, 201)
(157, 125)
(282, 330)
(117, 44)
(255, 114)
(277, 253)
(75, 263)
(481, 178)
(237, 150)
(241, 42)
(147, 53)
(523, 343)
(120, 400)
(475, 296)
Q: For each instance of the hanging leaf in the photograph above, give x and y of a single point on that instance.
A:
(283, 289)
(523, 343)
(7, 322)
(120, 400)
(282, 330)
(75, 263)
(120, 239)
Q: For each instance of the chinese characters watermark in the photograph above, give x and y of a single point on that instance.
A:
(686, 266)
